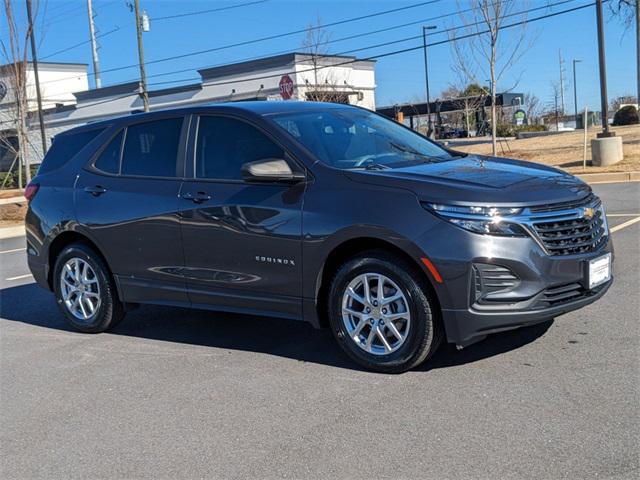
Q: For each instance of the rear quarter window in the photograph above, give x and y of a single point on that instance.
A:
(65, 147)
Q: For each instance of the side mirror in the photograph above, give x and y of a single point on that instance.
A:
(271, 170)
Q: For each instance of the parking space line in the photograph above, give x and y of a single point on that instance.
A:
(622, 214)
(19, 277)
(14, 250)
(625, 224)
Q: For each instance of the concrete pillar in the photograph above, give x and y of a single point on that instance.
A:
(606, 151)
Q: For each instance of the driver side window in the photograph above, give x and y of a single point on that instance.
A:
(225, 144)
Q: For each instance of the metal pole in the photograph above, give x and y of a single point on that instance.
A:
(584, 150)
(426, 78)
(143, 75)
(562, 104)
(94, 48)
(638, 46)
(575, 92)
(604, 113)
(34, 61)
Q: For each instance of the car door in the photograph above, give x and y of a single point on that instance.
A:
(242, 240)
(127, 201)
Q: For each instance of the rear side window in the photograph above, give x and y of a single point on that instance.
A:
(65, 147)
(151, 149)
(225, 144)
(109, 159)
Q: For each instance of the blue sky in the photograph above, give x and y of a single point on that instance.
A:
(399, 78)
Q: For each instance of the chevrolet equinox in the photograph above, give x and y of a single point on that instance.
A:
(328, 213)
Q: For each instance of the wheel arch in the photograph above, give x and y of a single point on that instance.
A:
(62, 240)
(357, 245)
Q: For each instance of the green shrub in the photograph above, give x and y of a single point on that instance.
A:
(505, 130)
(626, 116)
(12, 180)
(531, 128)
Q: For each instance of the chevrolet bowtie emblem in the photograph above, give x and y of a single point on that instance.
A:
(588, 213)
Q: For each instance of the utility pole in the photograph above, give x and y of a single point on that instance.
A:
(94, 48)
(430, 132)
(34, 62)
(604, 113)
(562, 104)
(638, 46)
(143, 75)
(575, 93)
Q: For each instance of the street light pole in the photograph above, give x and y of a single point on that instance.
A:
(426, 77)
(575, 92)
(603, 74)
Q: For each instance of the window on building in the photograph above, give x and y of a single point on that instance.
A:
(109, 159)
(225, 144)
(65, 147)
(151, 148)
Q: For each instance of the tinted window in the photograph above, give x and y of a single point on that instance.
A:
(109, 159)
(65, 147)
(225, 144)
(151, 148)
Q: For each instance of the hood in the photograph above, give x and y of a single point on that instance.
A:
(480, 180)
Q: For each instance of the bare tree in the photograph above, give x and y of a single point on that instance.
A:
(14, 115)
(617, 102)
(479, 48)
(531, 106)
(325, 88)
(626, 11)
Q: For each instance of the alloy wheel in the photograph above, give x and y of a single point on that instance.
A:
(375, 313)
(80, 289)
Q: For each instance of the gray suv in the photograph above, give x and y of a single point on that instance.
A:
(311, 211)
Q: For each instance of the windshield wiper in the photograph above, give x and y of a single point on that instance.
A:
(376, 166)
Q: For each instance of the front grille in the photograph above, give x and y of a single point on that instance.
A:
(574, 235)
(559, 295)
(553, 207)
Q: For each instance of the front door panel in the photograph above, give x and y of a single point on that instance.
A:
(242, 241)
(242, 246)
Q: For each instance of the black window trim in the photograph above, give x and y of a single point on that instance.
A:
(180, 156)
(289, 157)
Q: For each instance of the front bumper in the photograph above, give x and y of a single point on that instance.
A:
(544, 286)
(464, 327)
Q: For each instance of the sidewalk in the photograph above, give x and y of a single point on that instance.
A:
(11, 232)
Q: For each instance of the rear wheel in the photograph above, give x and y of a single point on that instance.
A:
(85, 290)
(381, 313)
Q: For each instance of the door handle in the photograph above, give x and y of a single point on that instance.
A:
(96, 190)
(197, 197)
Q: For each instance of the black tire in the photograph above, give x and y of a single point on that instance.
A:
(110, 311)
(425, 331)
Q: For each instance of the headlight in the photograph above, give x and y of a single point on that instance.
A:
(484, 220)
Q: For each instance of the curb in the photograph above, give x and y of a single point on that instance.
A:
(12, 232)
(12, 200)
(610, 177)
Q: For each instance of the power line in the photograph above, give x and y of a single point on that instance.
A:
(392, 42)
(404, 50)
(71, 47)
(201, 12)
(270, 37)
(374, 57)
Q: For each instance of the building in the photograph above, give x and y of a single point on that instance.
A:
(288, 77)
(58, 81)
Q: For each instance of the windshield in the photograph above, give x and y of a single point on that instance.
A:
(354, 138)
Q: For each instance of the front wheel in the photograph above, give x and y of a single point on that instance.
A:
(85, 290)
(381, 313)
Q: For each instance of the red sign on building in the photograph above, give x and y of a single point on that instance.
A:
(286, 87)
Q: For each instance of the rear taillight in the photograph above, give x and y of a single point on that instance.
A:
(31, 191)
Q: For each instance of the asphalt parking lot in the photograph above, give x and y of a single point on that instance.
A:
(174, 393)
